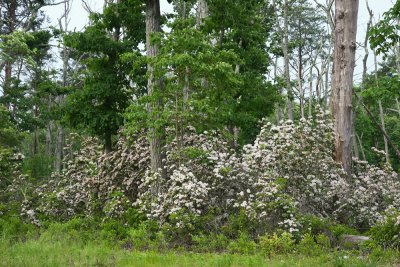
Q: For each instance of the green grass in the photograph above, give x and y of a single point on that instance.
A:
(64, 251)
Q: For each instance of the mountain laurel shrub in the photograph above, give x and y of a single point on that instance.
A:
(287, 173)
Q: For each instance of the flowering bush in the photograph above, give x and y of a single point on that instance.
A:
(286, 173)
(374, 191)
(94, 182)
(386, 232)
(290, 169)
(197, 180)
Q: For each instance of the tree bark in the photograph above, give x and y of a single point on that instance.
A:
(381, 114)
(346, 12)
(385, 142)
(361, 146)
(153, 25)
(285, 48)
(107, 142)
(202, 12)
(63, 22)
(59, 151)
(49, 140)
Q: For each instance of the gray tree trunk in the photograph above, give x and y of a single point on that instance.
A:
(60, 136)
(153, 20)
(346, 13)
(285, 48)
(381, 114)
(49, 139)
(202, 11)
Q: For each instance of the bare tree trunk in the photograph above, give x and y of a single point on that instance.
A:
(326, 87)
(49, 139)
(107, 142)
(285, 48)
(398, 105)
(59, 151)
(364, 75)
(346, 12)
(300, 85)
(153, 20)
(353, 133)
(202, 12)
(381, 114)
(361, 146)
(310, 93)
(390, 142)
(60, 136)
(7, 81)
(331, 23)
(382, 117)
(35, 144)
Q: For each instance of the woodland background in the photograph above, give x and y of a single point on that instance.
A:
(235, 123)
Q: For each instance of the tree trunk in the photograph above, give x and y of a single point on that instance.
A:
(381, 114)
(49, 139)
(60, 136)
(285, 48)
(326, 85)
(202, 12)
(310, 92)
(361, 146)
(342, 82)
(153, 20)
(59, 152)
(107, 142)
(7, 82)
(300, 85)
(353, 132)
(385, 142)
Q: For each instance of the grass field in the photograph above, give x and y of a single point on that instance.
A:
(44, 251)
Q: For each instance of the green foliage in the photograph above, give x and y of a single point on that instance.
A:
(6, 167)
(210, 243)
(387, 233)
(11, 226)
(271, 245)
(14, 46)
(243, 245)
(9, 135)
(385, 34)
(76, 229)
(147, 237)
(206, 85)
(310, 245)
(338, 230)
(35, 252)
(327, 233)
(237, 225)
(39, 166)
(99, 105)
(384, 88)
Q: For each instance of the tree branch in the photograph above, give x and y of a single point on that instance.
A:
(378, 126)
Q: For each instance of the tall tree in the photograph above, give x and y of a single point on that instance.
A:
(346, 13)
(285, 48)
(156, 135)
(106, 92)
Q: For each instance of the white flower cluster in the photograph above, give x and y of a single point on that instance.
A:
(198, 179)
(181, 193)
(374, 191)
(290, 167)
(288, 171)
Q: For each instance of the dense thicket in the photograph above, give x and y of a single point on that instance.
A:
(212, 119)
